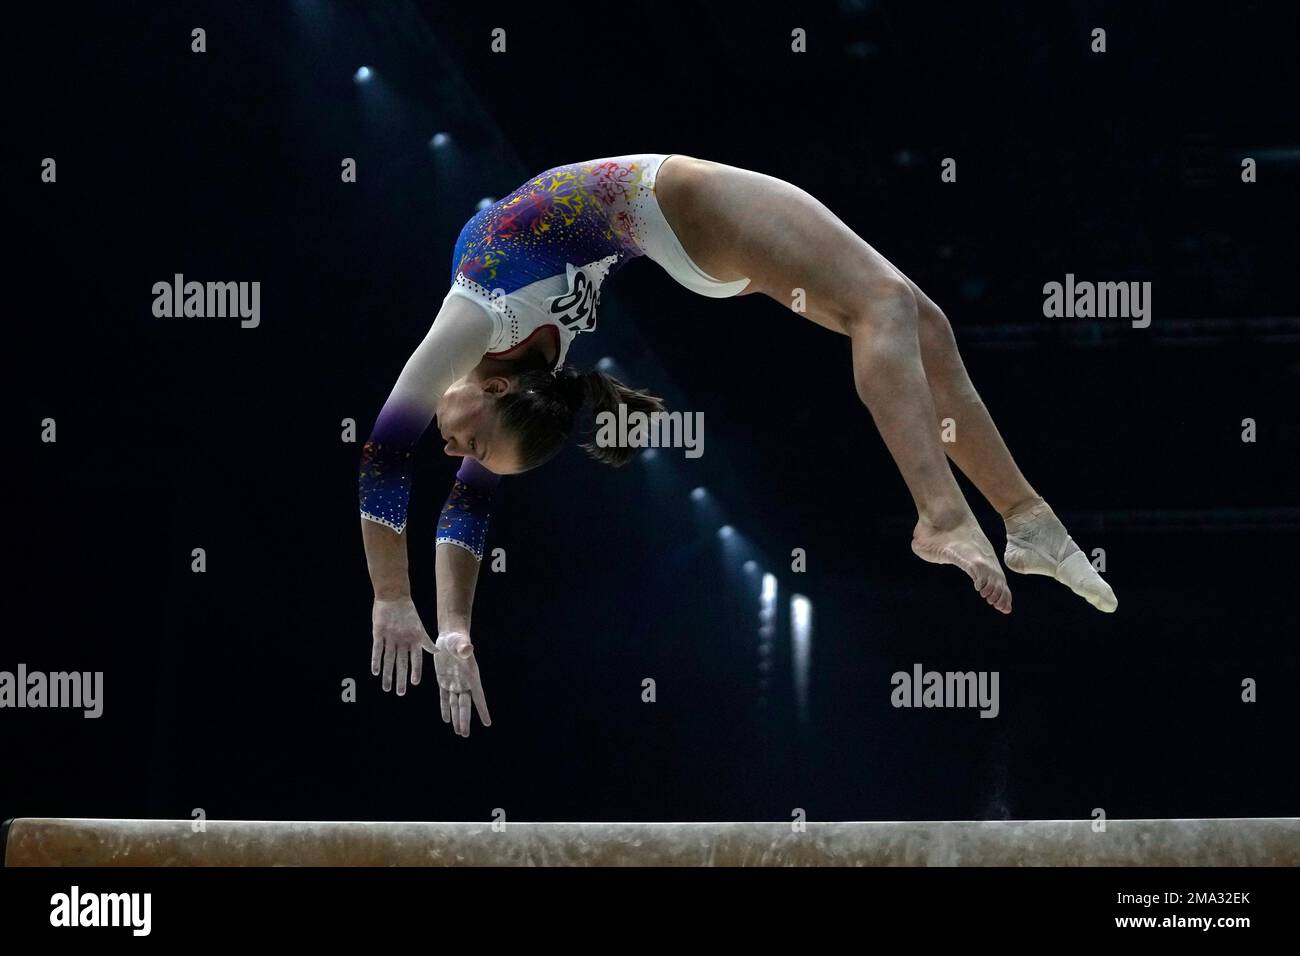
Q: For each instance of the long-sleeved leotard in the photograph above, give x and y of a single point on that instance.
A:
(448, 352)
(464, 518)
(535, 262)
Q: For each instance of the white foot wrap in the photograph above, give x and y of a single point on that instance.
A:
(1037, 543)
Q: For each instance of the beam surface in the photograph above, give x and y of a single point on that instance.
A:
(1223, 842)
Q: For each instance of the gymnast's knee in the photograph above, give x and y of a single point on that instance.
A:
(933, 327)
(943, 363)
(885, 306)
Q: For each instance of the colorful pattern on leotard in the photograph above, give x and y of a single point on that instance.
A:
(522, 249)
(575, 214)
(464, 518)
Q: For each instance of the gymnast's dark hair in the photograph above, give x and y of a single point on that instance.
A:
(541, 408)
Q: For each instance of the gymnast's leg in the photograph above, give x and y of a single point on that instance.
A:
(738, 222)
(890, 376)
(1037, 542)
(735, 222)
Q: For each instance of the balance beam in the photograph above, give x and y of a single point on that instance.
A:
(33, 841)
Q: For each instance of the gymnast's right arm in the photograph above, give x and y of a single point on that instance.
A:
(455, 344)
(462, 531)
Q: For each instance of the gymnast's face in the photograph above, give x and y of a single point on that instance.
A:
(467, 421)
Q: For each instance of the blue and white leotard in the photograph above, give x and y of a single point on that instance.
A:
(536, 261)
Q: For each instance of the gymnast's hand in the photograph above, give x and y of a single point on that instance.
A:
(399, 638)
(458, 681)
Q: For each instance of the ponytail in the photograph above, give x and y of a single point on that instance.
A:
(542, 407)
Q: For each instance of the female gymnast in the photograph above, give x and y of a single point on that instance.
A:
(526, 278)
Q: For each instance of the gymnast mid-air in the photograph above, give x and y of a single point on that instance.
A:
(526, 278)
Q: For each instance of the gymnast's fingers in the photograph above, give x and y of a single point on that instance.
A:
(480, 702)
(454, 702)
(465, 714)
(417, 665)
(376, 654)
(453, 710)
(444, 704)
(390, 653)
(403, 662)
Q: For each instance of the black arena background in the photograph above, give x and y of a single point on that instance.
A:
(222, 689)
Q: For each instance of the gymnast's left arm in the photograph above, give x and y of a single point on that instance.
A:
(453, 346)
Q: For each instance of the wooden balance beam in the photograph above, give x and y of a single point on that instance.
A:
(34, 841)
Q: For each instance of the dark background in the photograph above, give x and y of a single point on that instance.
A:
(223, 689)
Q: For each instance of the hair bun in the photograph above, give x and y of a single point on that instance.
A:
(572, 386)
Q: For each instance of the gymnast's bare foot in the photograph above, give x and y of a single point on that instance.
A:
(1037, 543)
(965, 545)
